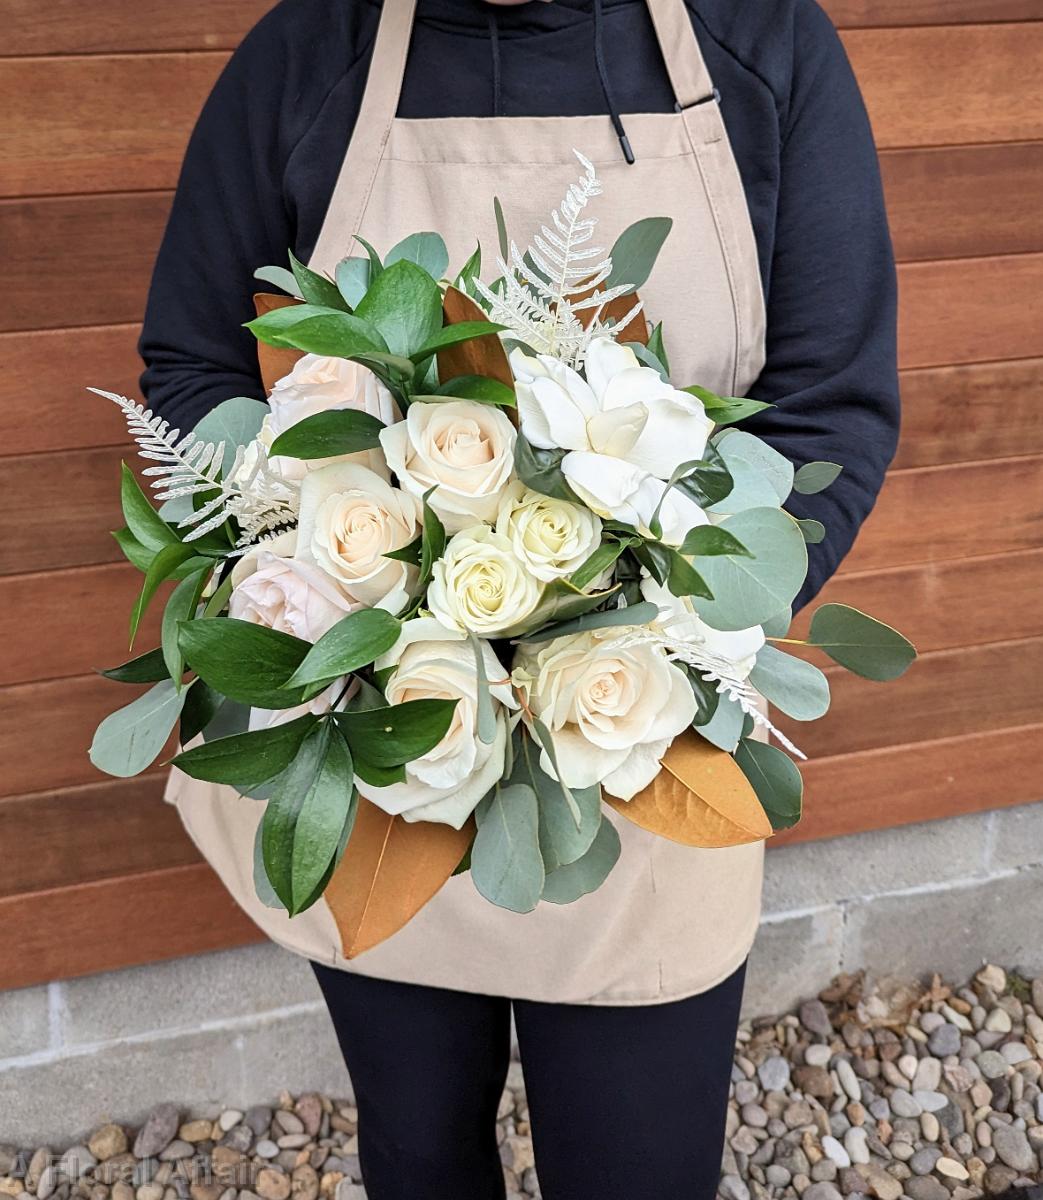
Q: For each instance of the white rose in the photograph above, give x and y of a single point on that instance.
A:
(551, 537)
(349, 519)
(274, 589)
(480, 584)
(612, 708)
(268, 718)
(317, 384)
(465, 449)
(445, 784)
(681, 622)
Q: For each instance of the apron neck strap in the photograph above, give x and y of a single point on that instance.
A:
(680, 48)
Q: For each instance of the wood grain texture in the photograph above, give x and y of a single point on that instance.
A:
(927, 514)
(96, 265)
(120, 922)
(897, 785)
(951, 84)
(49, 149)
(862, 13)
(952, 202)
(972, 412)
(116, 827)
(44, 404)
(99, 26)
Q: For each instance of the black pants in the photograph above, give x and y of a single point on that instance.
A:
(625, 1103)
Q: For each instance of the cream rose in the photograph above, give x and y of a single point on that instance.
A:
(682, 623)
(464, 450)
(268, 718)
(551, 537)
(479, 584)
(612, 708)
(432, 662)
(350, 518)
(274, 589)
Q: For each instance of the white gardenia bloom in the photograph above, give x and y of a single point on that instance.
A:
(277, 590)
(622, 410)
(350, 518)
(465, 450)
(612, 702)
(435, 663)
(681, 623)
(480, 585)
(551, 537)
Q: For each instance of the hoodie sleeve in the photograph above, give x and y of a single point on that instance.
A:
(831, 368)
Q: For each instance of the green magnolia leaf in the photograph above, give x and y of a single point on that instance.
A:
(860, 643)
(327, 434)
(635, 251)
(317, 330)
(246, 760)
(163, 565)
(541, 471)
(202, 705)
(426, 250)
(506, 865)
(235, 422)
(727, 410)
(315, 288)
(327, 806)
(725, 727)
(813, 531)
(815, 477)
(246, 662)
(279, 277)
(705, 540)
(567, 883)
(131, 738)
(747, 591)
(145, 524)
(389, 736)
(761, 476)
(776, 779)
(352, 279)
(462, 331)
(479, 388)
(796, 687)
(405, 304)
(355, 641)
(146, 668)
(181, 606)
(631, 614)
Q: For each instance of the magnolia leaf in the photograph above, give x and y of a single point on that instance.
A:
(761, 476)
(245, 760)
(476, 356)
(635, 251)
(354, 641)
(427, 250)
(567, 883)
(394, 734)
(796, 687)
(631, 614)
(506, 865)
(353, 279)
(860, 643)
(725, 727)
(131, 738)
(815, 477)
(329, 434)
(274, 362)
(405, 304)
(699, 798)
(390, 869)
(775, 778)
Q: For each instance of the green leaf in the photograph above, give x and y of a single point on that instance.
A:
(432, 545)
(813, 531)
(202, 706)
(541, 471)
(506, 865)
(451, 335)
(796, 687)
(262, 884)
(146, 668)
(707, 697)
(228, 716)
(163, 565)
(315, 288)
(396, 733)
(815, 477)
(559, 601)
(635, 251)
(657, 347)
(647, 359)
(246, 662)
(747, 591)
(860, 643)
(725, 727)
(706, 540)
(405, 304)
(355, 641)
(317, 330)
(727, 410)
(327, 806)
(376, 267)
(761, 476)
(181, 606)
(543, 736)
(778, 624)
(409, 553)
(776, 779)
(479, 388)
(328, 434)
(632, 614)
(599, 562)
(353, 279)
(709, 482)
(279, 823)
(667, 566)
(279, 277)
(379, 776)
(131, 738)
(236, 422)
(426, 250)
(501, 229)
(567, 883)
(246, 760)
(133, 551)
(145, 524)
(470, 271)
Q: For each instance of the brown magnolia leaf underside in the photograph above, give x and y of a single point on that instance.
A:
(274, 361)
(390, 870)
(635, 330)
(699, 798)
(478, 356)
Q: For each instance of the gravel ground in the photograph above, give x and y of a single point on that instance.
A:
(929, 1093)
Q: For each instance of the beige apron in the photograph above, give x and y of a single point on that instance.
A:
(670, 920)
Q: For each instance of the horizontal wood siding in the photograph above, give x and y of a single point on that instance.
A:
(100, 99)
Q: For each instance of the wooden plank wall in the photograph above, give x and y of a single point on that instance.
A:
(100, 99)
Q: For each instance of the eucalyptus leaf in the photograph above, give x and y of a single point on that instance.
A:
(563, 839)
(635, 251)
(567, 883)
(778, 624)
(724, 728)
(486, 716)
(813, 531)
(631, 614)
(860, 643)
(354, 641)
(426, 250)
(376, 267)
(647, 358)
(761, 476)
(330, 434)
(236, 422)
(815, 477)
(796, 687)
(228, 717)
(559, 601)
(776, 779)
(279, 277)
(246, 760)
(353, 279)
(132, 738)
(546, 741)
(506, 865)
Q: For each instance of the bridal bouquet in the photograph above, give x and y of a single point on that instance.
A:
(477, 570)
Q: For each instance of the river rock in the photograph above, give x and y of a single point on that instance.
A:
(158, 1131)
(815, 1019)
(1013, 1148)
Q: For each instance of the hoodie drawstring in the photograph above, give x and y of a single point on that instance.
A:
(599, 62)
(494, 41)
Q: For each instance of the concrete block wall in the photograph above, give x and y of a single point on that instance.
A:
(235, 1027)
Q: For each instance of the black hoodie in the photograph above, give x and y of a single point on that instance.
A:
(262, 161)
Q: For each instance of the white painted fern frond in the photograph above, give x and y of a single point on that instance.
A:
(258, 498)
(558, 276)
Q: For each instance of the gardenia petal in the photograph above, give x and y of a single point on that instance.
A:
(606, 358)
(675, 432)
